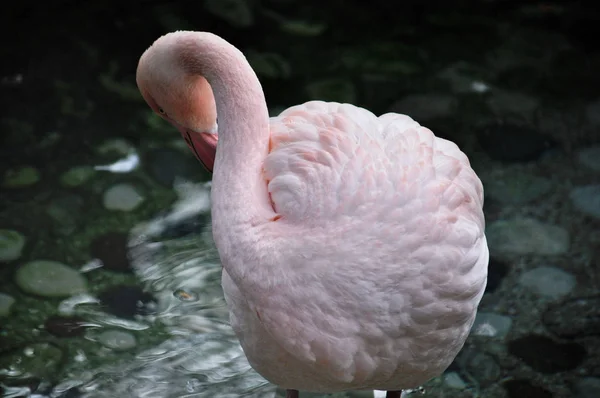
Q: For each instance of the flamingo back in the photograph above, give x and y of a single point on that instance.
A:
(330, 160)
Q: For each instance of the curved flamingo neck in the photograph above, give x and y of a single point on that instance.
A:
(239, 194)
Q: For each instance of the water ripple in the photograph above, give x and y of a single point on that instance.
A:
(202, 356)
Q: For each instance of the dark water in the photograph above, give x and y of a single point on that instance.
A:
(92, 180)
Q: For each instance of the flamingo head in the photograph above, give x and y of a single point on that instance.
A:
(185, 100)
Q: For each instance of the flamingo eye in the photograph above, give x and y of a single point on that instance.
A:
(161, 111)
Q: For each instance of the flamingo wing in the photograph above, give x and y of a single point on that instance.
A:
(381, 240)
(330, 160)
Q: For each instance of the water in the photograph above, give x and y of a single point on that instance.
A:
(201, 357)
(515, 84)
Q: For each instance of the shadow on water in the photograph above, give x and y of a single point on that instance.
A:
(97, 190)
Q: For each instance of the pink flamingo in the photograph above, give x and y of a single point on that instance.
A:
(353, 246)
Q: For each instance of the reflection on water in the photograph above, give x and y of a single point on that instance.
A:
(202, 357)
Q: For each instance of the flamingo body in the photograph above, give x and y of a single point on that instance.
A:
(353, 246)
(382, 222)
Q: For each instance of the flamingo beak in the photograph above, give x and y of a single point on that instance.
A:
(204, 146)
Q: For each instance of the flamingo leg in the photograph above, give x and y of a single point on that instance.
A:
(393, 394)
(292, 394)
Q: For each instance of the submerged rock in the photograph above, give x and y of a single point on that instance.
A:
(11, 244)
(480, 365)
(491, 325)
(526, 236)
(590, 157)
(587, 199)
(21, 177)
(306, 28)
(122, 197)
(66, 212)
(49, 279)
(454, 381)
(118, 340)
(548, 282)
(516, 187)
(115, 146)
(6, 302)
(77, 176)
